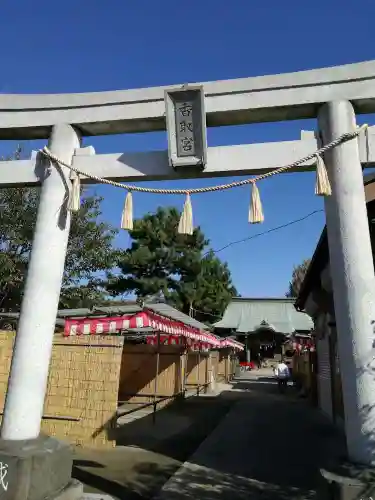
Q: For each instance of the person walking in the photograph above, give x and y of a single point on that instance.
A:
(282, 374)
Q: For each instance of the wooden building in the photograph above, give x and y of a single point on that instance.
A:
(316, 299)
(262, 324)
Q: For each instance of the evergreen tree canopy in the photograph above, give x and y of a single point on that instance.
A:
(89, 248)
(162, 263)
(298, 275)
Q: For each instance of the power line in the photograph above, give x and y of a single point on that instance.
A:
(277, 228)
(248, 238)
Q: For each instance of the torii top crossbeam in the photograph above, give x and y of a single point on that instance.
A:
(268, 98)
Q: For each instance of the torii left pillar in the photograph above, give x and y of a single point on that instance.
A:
(32, 465)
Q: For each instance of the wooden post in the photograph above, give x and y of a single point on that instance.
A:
(198, 374)
(186, 367)
(156, 378)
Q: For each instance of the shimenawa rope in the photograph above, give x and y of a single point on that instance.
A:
(322, 186)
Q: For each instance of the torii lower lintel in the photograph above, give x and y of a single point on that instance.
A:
(222, 161)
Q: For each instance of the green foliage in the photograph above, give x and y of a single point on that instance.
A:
(90, 249)
(208, 291)
(298, 275)
(162, 264)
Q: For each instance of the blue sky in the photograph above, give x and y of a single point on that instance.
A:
(70, 46)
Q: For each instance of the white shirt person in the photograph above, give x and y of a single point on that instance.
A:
(282, 371)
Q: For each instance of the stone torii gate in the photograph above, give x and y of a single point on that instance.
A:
(333, 95)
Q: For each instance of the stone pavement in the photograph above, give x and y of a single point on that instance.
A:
(269, 446)
(148, 454)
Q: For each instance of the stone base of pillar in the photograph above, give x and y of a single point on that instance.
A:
(37, 469)
(347, 482)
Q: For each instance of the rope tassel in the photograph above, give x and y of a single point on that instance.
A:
(127, 213)
(75, 195)
(322, 184)
(185, 225)
(256, 211)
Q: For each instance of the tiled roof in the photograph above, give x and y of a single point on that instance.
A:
(248, 315)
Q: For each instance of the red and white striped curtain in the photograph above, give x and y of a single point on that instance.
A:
(173, 331)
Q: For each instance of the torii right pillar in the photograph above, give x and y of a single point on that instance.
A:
(352, 274)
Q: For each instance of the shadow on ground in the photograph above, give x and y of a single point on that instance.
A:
(207, 484)
(145, 481)
(178, 429)
(148, 454)
(270, 446)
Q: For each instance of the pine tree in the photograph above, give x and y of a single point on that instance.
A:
(298, 275)
(162, 263)
(90, 248)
